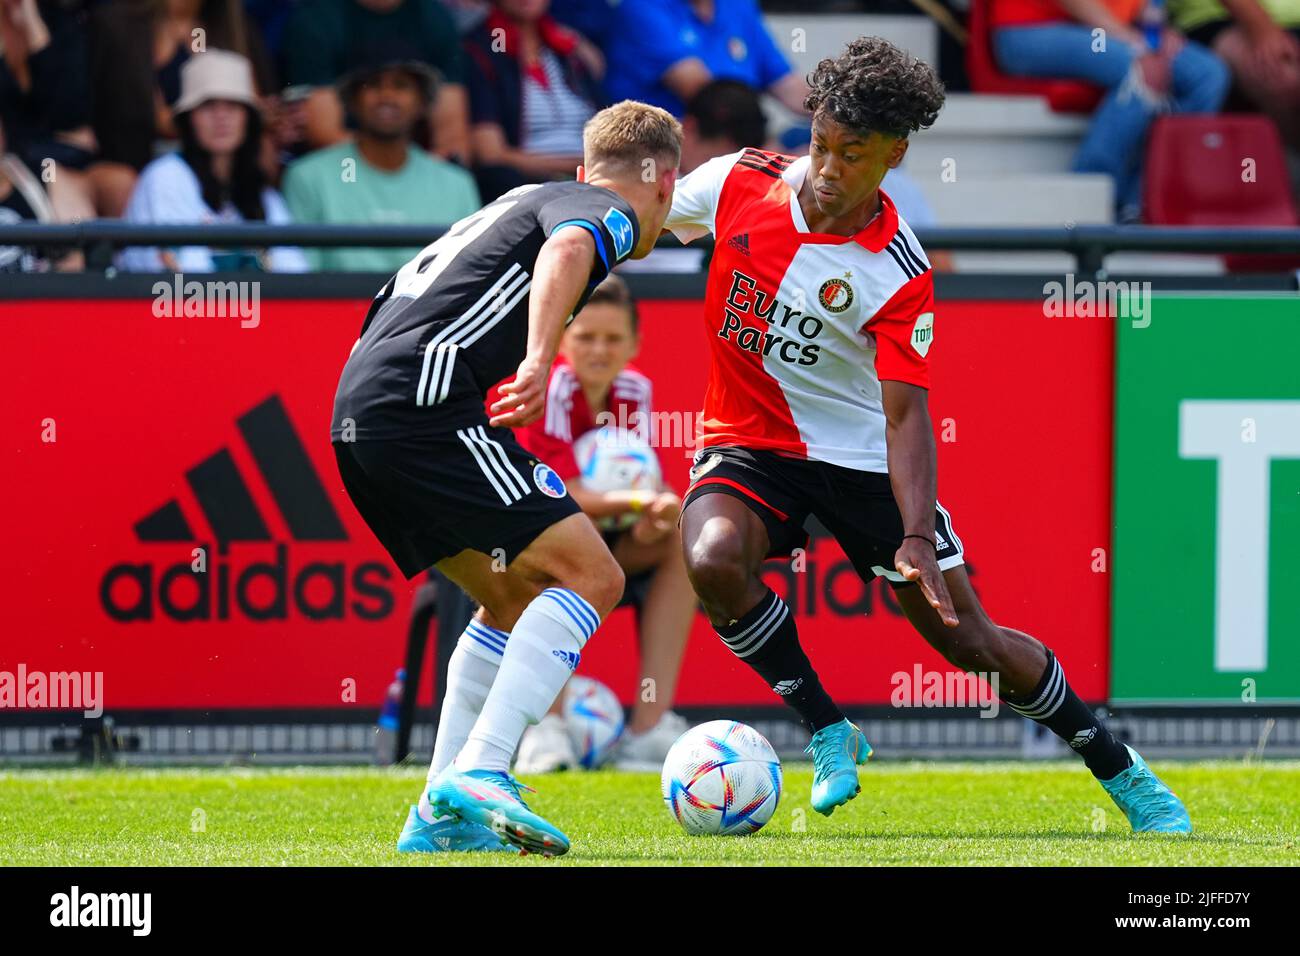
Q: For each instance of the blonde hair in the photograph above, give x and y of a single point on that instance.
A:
(629, 133)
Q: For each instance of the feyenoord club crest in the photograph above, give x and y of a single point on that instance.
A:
(835, 295)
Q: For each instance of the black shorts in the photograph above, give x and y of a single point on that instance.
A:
(856, 507)
(472, 487)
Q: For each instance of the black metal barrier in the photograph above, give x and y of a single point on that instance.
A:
(1088, 244)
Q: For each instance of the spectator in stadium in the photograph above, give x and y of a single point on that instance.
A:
(379, 176)
(43, 106)
(1058, 38)
(723, 117)
(325, 39)
(593, 19)
(667, 51)
(216, 176)
(1260, 42)
(137, 51)
(531, 91)
(23, 198)
(594, 379)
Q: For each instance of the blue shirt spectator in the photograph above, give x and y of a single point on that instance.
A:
(664, 52)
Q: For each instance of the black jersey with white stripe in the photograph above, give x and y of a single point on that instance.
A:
(453, 321)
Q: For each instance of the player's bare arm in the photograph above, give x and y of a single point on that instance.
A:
(563, 270)
(913, 474)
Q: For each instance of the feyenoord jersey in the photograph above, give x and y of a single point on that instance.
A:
(453, 321)
(802, 326)
(568, 416)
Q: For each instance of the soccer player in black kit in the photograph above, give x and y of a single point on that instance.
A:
(442, 484)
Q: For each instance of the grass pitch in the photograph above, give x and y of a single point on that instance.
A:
(907, 814)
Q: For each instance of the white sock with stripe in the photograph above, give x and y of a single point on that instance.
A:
(545, 646)
(470, 673)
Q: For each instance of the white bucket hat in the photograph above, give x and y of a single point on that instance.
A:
(215, 75)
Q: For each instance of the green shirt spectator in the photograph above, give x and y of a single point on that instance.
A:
(337, 185)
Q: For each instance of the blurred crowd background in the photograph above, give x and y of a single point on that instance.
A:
(420, 111)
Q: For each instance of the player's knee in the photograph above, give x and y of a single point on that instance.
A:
(717, 570)
(602, 585)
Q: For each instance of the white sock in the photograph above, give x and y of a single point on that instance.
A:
(544, 649)
(470, 674)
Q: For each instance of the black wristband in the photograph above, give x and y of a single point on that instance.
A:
(923, 538)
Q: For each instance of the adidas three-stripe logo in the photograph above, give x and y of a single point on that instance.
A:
(479, 319)
(773, 614)
(224, 496)
(495, 464)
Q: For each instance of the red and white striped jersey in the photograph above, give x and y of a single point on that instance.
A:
(802, 326)
(568, 416)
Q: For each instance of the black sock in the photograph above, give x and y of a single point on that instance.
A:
(766, 640)
(1055, 705)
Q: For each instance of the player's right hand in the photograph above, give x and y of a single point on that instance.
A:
(523, 398)
(915, 561)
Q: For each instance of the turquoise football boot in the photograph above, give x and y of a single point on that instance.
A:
(491, 799)
(837, 751)
(448, 836)
(1150, 806)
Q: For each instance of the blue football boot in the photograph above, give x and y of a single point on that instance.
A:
(447, 836)
(491, 799)
(837, 751)
(1150, 806)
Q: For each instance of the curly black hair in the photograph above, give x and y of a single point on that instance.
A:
(873, 86)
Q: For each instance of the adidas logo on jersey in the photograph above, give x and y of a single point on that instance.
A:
(740, 243)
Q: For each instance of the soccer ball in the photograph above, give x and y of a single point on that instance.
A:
(594, 719)
(614, 459)
(722, 777)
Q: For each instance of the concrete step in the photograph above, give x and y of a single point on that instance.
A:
(998, 134)
(1042, 199)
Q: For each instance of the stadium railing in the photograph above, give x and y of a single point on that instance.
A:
(1088, 244)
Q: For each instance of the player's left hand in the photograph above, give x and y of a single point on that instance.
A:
(523, 398)
(916, 561)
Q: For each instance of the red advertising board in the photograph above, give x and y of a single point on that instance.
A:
(135, 441)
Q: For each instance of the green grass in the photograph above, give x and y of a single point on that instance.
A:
(907, 814)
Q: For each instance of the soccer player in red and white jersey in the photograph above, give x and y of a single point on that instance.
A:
(593, 383)
(820, 318)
